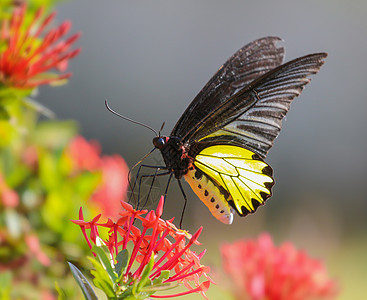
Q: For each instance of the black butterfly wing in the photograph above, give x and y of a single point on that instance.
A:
(252, 117)
(232, 123)
(227, 145)
(247, 64)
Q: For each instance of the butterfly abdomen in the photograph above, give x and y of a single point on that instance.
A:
(211, 194)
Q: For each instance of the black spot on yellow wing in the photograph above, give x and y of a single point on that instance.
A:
(198, 174)
(211, 194)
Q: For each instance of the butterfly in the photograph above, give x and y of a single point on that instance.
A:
(220, 142)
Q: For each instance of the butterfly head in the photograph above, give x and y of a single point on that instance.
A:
(160, 141)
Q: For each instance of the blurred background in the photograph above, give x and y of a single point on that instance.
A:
(150, 59)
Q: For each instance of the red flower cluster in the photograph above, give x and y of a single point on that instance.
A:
(27, 52)
(159, 238)
(260, 270)
(113, 187)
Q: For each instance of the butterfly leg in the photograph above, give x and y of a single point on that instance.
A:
(185, 198)
(167, 186)
(154, 176)
(132, 187)
(151, 186)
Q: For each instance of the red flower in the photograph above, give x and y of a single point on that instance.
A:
(159, 239)
(260, 270)
(28, 52)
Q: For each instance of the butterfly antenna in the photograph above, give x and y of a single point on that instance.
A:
(160, 130)
(128, 119)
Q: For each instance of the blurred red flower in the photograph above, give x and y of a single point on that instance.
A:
(8, 197)
(261, 270)
(159, 239)
(35, 250)
(86, 156)
(27, 52)
(113, 187)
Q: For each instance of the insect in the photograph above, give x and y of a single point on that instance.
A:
(220, 142)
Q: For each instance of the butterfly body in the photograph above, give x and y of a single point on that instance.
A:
(174, 154)
(180, 163)
(220, 142)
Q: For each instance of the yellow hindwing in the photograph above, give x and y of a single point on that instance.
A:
(240, 172)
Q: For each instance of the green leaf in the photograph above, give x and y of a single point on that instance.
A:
(39, 108)
(87, 289)
(164, 275)
(5, 285)
(105, 258)
(8, 93)
(48, 171)
(60, 292)
(122, 260)
(160, 287)
(4, 115)
(103, 283)
(52, 134)
(102, 279)
(158, 284)
(8, 133)
(86, 183)
(145, 275)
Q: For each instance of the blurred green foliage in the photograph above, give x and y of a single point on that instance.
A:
(45, 192)
(33, 5)
(42, 188)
